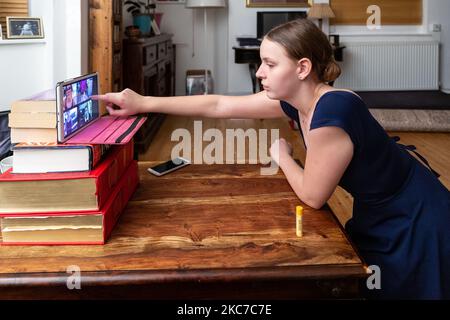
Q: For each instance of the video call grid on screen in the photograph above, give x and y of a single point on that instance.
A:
(79, 108)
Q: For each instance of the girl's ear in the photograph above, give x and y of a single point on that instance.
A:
(304, 67)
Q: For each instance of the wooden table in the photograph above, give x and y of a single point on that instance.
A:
(220, 231)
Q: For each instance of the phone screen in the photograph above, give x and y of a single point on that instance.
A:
(169, 165)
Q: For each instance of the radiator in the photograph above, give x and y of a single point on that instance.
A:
(391, 66)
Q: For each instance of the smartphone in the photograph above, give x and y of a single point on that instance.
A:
(169, 166)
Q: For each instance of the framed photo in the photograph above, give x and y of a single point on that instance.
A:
(24, 28)
(334, 40)
(278, 3)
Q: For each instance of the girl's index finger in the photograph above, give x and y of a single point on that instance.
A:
(100, 97)
(113, 98)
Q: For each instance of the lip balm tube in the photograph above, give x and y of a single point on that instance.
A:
(299, 221)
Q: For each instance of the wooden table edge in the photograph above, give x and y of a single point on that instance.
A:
(140, 277)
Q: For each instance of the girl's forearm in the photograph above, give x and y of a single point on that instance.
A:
(200, 105)
(294, 175)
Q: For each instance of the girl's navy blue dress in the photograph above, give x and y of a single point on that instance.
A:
(401, 211)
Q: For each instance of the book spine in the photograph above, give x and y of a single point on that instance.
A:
(110, 177)
(97, 152)
(126, 188)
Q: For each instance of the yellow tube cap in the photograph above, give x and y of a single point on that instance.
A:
(299, 210)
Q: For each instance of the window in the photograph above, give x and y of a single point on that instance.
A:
(393, 12)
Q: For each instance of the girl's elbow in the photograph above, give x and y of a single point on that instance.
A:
(314, 201)
(315, 204)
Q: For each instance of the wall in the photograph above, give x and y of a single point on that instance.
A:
(224, 25)
(434, 12)
(69, 36)
(30, 66)
(26, 68)
(187, 27)
(438, 12)
(36, 65)
(242, 22)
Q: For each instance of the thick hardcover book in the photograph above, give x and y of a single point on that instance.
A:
(53, 157)
(68, 191)
(41, 102)
(32, 135)
(74, 228)
(32, 120)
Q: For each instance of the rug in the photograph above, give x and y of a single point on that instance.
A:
(413, 120)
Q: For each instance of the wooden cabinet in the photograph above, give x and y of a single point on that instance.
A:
(149, 69)
(105, 43)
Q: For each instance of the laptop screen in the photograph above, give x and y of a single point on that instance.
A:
(79, 108)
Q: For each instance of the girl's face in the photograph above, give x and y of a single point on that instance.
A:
(278, 72)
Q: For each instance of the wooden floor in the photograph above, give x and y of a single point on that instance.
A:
(435, 147)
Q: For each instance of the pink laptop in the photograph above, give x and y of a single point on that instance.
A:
(79, 120)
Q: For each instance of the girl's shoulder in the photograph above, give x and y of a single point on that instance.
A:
(339, 101)
(342, 106)
(342, 92)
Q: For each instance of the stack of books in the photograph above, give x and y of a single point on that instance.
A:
(34, 119)
(58, 194)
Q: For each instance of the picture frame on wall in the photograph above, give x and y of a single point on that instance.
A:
(278, 3)
(24, 28)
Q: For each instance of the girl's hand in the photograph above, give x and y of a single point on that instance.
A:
(129, 102)
(280, 149)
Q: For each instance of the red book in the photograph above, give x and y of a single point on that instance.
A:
(64, 192)
(73, 228)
